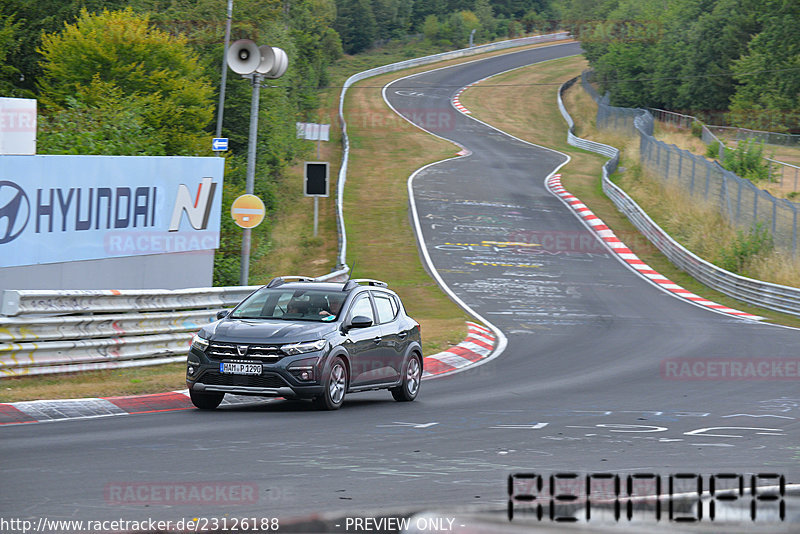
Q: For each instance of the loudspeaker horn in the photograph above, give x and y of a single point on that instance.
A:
(267, 59)
(244, 56)
(280, 64)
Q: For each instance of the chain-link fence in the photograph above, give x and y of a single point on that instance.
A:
(738, 199)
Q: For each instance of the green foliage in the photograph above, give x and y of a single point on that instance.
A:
(111, 124)
(700, 56)
(697, 129)
(356, 25)
(712, 150)
(768, 94)
(747, 161)
(119, 55)
(735, 258)
(9, 74)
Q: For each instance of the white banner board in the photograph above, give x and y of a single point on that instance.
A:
(68, 208)
(17, 126)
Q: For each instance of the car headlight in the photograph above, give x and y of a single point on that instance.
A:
(300, 348)
(199, 343)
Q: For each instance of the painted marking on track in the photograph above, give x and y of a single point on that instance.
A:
(751, 415)
(410, 425)
(509, 244)
(703, 431)
(535, 426)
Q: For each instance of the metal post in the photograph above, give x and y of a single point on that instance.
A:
(223, 83)
(316, 214)
(244, 272)
(794, 230)
(755, 208)
(738, 199)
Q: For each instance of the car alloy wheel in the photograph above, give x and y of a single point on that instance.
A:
(412, 378)
(335, 386)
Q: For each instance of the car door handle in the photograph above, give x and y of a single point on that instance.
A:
(402, 335)
(377, 340)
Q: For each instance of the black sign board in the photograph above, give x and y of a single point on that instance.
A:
(316, 179)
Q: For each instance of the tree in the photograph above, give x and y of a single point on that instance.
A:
(9, 74)
(120, 53)
(356, 25)
(768, 97)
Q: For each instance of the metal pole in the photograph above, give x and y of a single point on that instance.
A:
(223, 83)
(244, 272)
(316, 214)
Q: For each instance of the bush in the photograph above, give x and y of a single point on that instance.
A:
(747, 161)
(697, 129)
(744, 248)
(712, 150)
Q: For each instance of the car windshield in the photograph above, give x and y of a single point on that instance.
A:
(291, 305)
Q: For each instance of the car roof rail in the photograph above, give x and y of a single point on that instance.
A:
(280, 280)
(357, 281)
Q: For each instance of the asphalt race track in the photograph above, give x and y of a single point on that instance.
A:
(586, 383)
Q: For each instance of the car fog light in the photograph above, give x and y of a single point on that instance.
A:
(191, 370)
(305, 375)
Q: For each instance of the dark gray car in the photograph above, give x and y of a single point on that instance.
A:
(307, 339)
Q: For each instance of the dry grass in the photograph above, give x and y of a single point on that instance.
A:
(133, 381)
(535, 117)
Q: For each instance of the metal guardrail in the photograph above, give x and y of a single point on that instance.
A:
(758, 293)
(67, 331)
(407, 64)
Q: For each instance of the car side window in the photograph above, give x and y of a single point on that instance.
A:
(362, 307)
(387, 310)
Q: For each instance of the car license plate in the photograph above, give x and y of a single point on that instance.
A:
(240, 368)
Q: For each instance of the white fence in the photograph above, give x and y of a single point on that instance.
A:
(764, 294)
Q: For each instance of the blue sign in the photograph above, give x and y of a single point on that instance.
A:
(67, 208)
(219, 144)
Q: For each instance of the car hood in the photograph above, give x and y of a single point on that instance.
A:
(262, 331)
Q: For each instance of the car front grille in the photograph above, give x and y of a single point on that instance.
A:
(269, 380)
(266, 353)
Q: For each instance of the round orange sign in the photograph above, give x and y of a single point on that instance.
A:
(248, 211)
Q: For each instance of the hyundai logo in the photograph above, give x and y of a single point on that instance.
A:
(14, 211)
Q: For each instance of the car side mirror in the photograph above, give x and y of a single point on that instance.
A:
(222, 314)
(360, 321)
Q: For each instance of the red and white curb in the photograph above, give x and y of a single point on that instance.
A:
(457, 102)
(40, 411)
(607, 235)
(479, 344)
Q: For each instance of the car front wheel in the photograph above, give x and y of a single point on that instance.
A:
(206, 401)
(335, 387)
(412, 376)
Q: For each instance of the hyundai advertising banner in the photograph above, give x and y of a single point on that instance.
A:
(67, 208)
